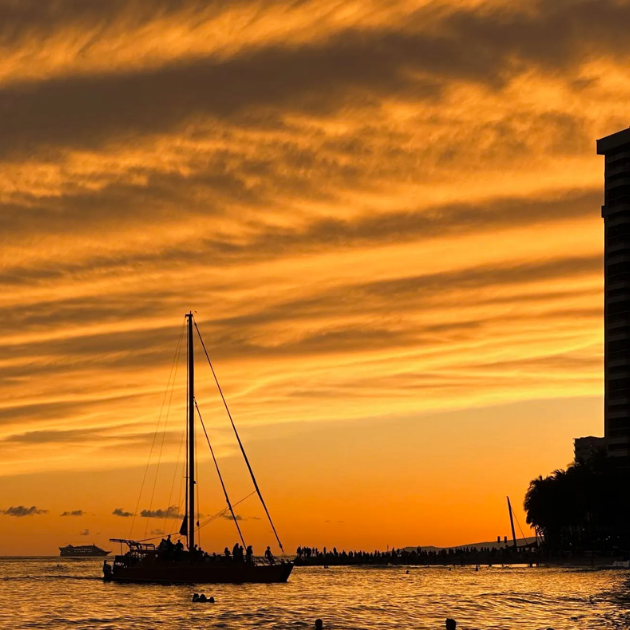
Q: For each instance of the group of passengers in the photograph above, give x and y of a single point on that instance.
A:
(167, 550)
(239, 554)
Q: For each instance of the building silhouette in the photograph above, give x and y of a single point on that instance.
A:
(586, 448)
(616, 214)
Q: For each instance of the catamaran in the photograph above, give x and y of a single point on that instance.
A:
(188, 564)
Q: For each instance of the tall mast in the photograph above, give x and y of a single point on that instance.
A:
(512, 522)
(191, 436)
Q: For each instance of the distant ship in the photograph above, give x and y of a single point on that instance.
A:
(83, 551)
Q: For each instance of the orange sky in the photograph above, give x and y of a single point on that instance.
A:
(386, 216)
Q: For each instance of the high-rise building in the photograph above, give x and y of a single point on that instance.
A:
(616, 215)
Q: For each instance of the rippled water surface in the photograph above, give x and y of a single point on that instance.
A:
(62, 593)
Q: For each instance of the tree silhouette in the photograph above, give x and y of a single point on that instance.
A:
(585, 507)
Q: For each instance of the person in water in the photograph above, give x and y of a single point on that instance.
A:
(107, 569)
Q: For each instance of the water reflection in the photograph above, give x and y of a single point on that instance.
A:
(49, 593)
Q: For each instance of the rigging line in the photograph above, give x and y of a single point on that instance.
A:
(251, 472)
(144, 477)
(520, 528)
(197, 486)
(216, 465)
(170, 495)
(168, 413)
(224, 510)
(182, 489)
(212, 518)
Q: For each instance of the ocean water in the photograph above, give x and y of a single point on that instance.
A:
(62, 594)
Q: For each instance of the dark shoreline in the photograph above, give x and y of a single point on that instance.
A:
(462, 557)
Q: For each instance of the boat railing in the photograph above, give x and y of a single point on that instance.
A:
(135, 547)
(137, 552)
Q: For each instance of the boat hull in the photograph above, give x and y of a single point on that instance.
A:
(201, 573)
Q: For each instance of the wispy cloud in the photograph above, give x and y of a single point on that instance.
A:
(229, 517)
(73, 513)
(20, 510)
(170, 512)
(238, 517)
(58, 436)
(121, 512)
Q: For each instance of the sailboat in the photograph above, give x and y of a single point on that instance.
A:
(188, 564)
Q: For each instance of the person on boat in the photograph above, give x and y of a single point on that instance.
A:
(269, 556)
(235, 552)
(249, 554)
(197, 554)
(226, 553)
(169, 543)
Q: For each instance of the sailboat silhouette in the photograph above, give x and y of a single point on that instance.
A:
(169, 563)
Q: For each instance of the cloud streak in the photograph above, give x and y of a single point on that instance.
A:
(20, 511)
(121, 512)
(170, 512)
(87, 111)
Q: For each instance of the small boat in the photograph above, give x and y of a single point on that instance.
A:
(82, 551)
(170, 563)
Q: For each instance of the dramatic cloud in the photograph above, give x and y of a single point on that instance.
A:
(121, 512)
(20, 510)
(170, 512)
(378, 210)
(88, 111)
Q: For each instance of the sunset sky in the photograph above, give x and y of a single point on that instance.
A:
(386, 215)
